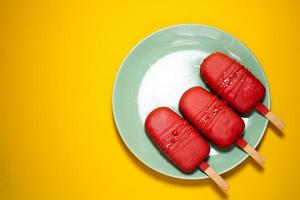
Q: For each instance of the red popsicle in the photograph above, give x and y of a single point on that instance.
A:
(215, 120)
(180, 143)
(236, 85)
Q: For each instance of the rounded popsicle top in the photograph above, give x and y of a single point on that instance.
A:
(178, 140)
(194, 100)
(160, 119)
(213, 66)
(211, 116)
(232, 82)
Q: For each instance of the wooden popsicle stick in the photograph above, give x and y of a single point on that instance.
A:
(275, 120)
(254, 154)
(217, 178)
(261, 108)
(211, 173)
(251, 151)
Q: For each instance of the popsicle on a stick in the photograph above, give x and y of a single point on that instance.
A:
(180, 143)
(236, 85)
(215, 120)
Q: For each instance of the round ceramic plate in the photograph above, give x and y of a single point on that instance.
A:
(156, 73)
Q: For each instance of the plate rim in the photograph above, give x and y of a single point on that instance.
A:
(121, 67)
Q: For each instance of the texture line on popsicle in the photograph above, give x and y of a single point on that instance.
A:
(180, 143)
(236, 85)
(226, 127)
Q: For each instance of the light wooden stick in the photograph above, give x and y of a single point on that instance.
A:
(211, 173)
(243, 144)
(275, 120)
(262, 109)
(254, 154)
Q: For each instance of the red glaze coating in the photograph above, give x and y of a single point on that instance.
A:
(262, 109)
(232, 82)
(203, 166)
(178, 140)
(211, 116)
(241, 143)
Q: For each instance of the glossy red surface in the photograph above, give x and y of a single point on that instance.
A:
(232, 82)
(178, 140)
(211, 116)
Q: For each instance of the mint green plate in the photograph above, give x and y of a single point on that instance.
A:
(157, 71)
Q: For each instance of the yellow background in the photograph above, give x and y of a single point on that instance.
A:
(58, 64)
